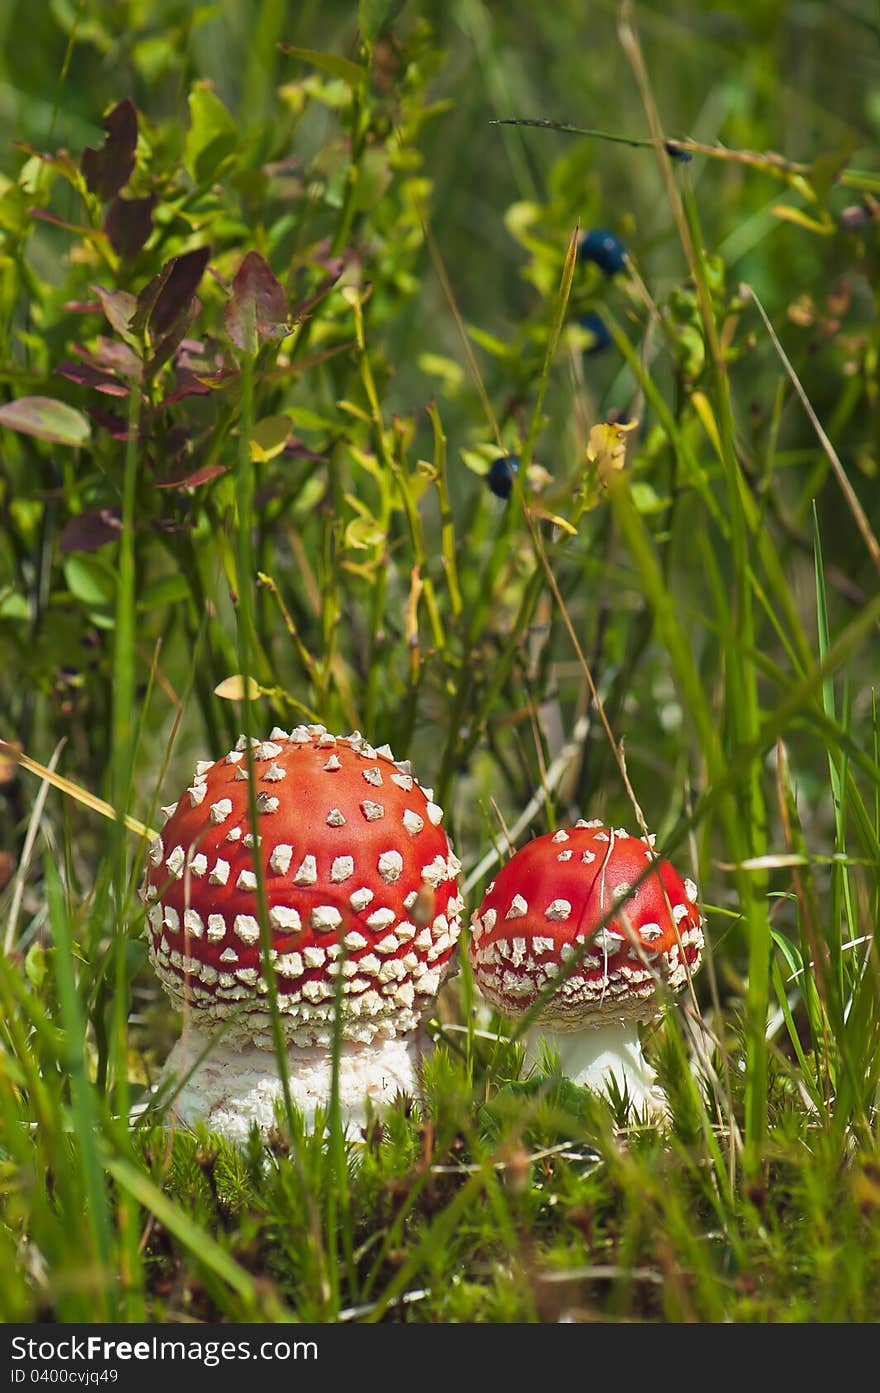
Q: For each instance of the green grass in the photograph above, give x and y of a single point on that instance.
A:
(226, 494)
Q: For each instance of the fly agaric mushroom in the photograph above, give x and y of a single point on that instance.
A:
(565, 895)
(359, 882)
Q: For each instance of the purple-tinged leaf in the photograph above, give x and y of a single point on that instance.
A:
(115, 426)
(169, 344)
(192, 384)
(312, 360)
(203, 475)
(258, 300)
(128, 224)
(91, 529)
(93, 234)
(109, 169)
(119, 307)
(303, 309)
(300, 450)
(111, 355)
(84, 375)
(171, 528)
(47, 419)
(168, 295)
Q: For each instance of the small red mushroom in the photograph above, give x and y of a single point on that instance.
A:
(565, 895)
(359, 880)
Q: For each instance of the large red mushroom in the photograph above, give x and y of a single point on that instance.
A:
(563, 907)
(359, 881)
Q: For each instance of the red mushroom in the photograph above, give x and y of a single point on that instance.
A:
(359, 880)
(565, 895)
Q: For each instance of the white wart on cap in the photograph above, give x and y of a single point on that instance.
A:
(359, 879)
(551, 903)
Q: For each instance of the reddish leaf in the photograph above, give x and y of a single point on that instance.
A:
(91, 529)
(82, 306)
(60, 160)
(109, 169)
(85, 375)
(303, 309)
(119, 307)
(43, 215)
(257, 298)
(169, 294)
(203, 475)
(111, 355)
(47, 419)
(169, 345)
(115, 426)
(313, 360)
(170, 527)
(128, 224)
(198, 384)
(301, 450)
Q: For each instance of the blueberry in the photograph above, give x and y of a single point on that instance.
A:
(595, 326)
(500, 476)
(604, 248)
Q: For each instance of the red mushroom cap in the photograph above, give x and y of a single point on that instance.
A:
(549, 900)
(359, 877)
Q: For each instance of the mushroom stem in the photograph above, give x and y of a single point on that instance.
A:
(237, 1085)
(590, 1058)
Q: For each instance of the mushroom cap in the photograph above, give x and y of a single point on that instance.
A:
(549, 900)
(359, 878)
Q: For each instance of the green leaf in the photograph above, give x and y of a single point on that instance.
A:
(479, 457)
(168, 590)
(342, 68)
(14, 204)
(449, 372)
(36, 965)
(91, 580)
(212, 135)
(14, 606)
(119, 307)
(644, 496)
(47, 419)
(269, 437)
(376, 15)
(304, 419)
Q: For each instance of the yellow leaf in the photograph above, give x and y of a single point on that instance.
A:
(606, 447)
(823, 227)
(556, 520)
(707, 419)
(411, 614)
(233, 689)
(269, 437)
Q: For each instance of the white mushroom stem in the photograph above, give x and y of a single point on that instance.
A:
(235, 1086)
(591, 1057)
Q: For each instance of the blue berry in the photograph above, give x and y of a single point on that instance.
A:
(500, 476)
(596, 326)
(604, 248)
